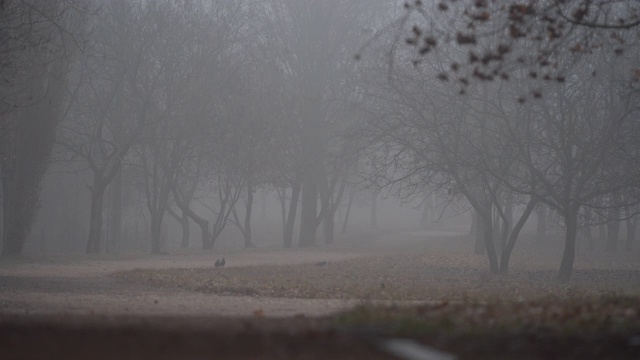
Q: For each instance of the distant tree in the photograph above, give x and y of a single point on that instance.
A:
(164, 146)
(316, 41)
(118, 100)
(206, 137)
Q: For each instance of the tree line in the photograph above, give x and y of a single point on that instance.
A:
(183, 109)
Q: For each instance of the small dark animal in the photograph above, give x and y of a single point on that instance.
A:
(217, 263)
(222, 263)
(321, 263)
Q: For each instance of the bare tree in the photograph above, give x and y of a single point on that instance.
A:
(317, 40)
(119, 100)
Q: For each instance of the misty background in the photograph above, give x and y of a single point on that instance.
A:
(153, 126)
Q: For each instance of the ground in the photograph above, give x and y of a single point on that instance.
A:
(339, 301)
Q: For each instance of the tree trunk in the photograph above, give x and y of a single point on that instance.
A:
(328, 227)
(352, 193)
(332, 205)
(489, 241)
(282, 197)
(631, 234)
(613, 231)
(136, 236)
(247, 218)
(541, 227)
(587, 230)
(309, 215)
(26, 147)
(498, 239)
(263, 205)
(291, 216)
(24, 157)
(631, 229)
(505, 256)
(95, 219)
(183, 219)
(15, 224)
(507, 225)
(480, 247)
(2, 212)
(116, 213)
(157, 215)
(473, 229)
(568, 256)
(207, 244)
(156, 232)
(186, 231)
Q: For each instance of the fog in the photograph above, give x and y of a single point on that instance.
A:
(247, 179)
(136, 127)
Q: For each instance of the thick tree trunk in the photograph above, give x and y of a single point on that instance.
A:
(309, 215)
(2, 212)
(24, 156)
(207, 244)
(291, 216)
(95, 219)
(16, 225)
(568, 256)
(489, 241)
(26, 147)
(505, 256)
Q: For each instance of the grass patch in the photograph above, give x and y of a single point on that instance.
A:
(606, 314)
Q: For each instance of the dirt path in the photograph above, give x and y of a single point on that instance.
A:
(84, 286)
